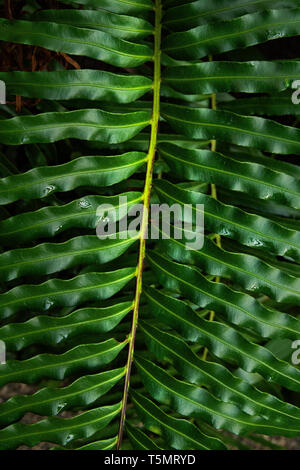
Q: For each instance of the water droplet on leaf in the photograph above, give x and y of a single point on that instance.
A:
(84, 203)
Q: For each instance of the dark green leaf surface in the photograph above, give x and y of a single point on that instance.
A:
(77, 84)
(51, 401)
(64, 293)
(224, 341)
(246, 77)
(223, 36)
(246, 270)
(49, 258)
(229, 221)
(118, 6)
(194, 13)
(87, 357)
(50, 221)
(139, 439)
(267, 106)
(54, 330)
(219, 380)
(239, 308)
(78, 41)
(214, 167)
(86, 124)
(192, 401)
(257, 132)
(121, 26)
(58, 430)
(179, 434)
(84, 171)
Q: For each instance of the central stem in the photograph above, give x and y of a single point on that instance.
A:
(146, 200)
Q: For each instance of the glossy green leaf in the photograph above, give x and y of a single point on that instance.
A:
(213, 167)
(229, 221)
(58, 430)
(118, 6)
(239, 308)
(52, 401)
(108, 444)
(179, 434)
(62, 293)
(86, 357)
(192, 401)
(49, 258)
(193, 13)
(55, 330)
(125, 27)
(92, 171)
(86, 124)
(220, 381)
(246, 77)
(223, 341)
(52, 220)
(246, 270)
(267, 106)
(246, 131)
(139, 439)
(248, 30)
(78, 41)
(77, 84)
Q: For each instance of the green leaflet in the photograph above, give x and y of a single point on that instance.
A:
(229, 221)
(239, 308)
(54, 330)
(139, 439)
(62, 293)
(287, 267)
(246, 131)
(213, 167)
(58, 430)
(78, 41)
(86, 124)
(126, 27)
(107, 444)
(283, 215)
(246, 77)
(179, 434)
(169, 92)
(220, 381)
(194, 13)
(77, 84)
(84, 171)
(118, 6)
(52, 401)
(141, 142)
(242, 154)
(246, 270)
(223, 341)
(86, 357)
(192, 401)
(245, 31)
(268, 106)
(49, 258)
(52, 220)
